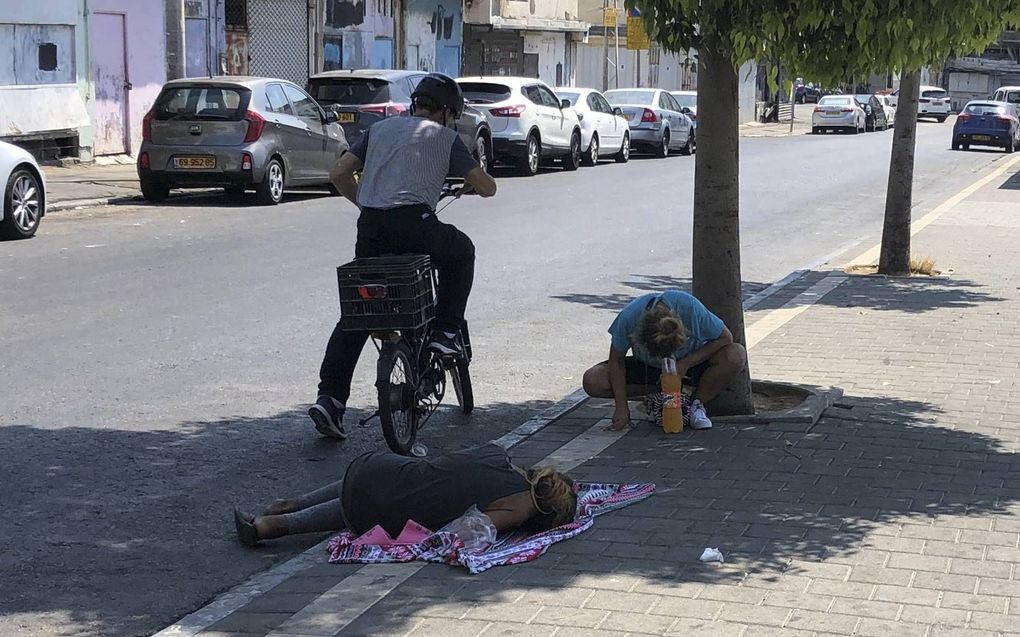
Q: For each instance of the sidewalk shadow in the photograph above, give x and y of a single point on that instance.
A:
(907, 294)
(1013, 183)
(644, 284)
(784, 503)
(111, 531)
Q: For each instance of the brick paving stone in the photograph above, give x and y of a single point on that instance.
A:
(518, 612)
(905, 595)
(448, 628)
(569, 617)
(682, 607)
(945, 582)
(242, 622)
(684, 627)
(621, 622)
(929, 615)
(611, 600)
(518, 630)
(983, 603)
(879, 575)
(866, 608)
(1006, 588)
(754, 615)
(870, 627)
(822, 622)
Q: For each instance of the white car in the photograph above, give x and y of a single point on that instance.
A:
(889, 107)
(1008, 94)
(604, 130)
(24, 201)
(838, 112)
(932, 102)
(529, 123)
(689, 101)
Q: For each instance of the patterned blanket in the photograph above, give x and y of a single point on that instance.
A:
(513, 548)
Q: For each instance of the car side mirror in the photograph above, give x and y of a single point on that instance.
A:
(617, 111)
(685, 110)
(564, 104)
(331, 116)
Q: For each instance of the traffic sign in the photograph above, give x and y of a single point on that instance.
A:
(609, 17)
(637, 37)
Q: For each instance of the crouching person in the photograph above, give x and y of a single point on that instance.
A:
(663, 325)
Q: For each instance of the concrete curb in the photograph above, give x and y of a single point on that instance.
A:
(70, 204)
(818, 399)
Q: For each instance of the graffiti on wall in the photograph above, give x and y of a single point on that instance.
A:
(237, 52)
(433, 35)
(341, 14)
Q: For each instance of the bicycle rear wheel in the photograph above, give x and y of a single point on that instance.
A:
(462, 385)
(398, 410)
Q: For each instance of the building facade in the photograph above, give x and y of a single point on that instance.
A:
(45, 85)
(523, 38)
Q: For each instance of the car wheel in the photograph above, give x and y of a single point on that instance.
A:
(855, 130)
(690, 147)
(815, 130)
(532, 158)
(663, 148)
(23, 205)
(234, 191)
(941, 119)
(572, 160)
(956, 145)
(623, 156)
(482, 153)
(153, 190)
(269, 191)
(1009, 146)
(965, 146)
(591, 157)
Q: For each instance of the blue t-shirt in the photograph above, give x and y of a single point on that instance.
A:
(702, 326)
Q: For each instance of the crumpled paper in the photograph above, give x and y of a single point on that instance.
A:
(712, 555)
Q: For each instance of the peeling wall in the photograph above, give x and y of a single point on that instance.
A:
(551, 48)
(481, 11)
(358, 34)
(433, 35)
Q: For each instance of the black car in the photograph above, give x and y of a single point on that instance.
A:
(874, 113)
(361, 98)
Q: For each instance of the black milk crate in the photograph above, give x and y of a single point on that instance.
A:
(409, 301)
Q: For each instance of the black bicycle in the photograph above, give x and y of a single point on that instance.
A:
(393, 298)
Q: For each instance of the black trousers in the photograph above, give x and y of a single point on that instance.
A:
(414, 230)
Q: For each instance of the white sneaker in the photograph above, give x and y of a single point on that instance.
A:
(697, 417)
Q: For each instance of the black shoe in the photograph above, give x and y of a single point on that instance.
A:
(446, 343)
(328, 415)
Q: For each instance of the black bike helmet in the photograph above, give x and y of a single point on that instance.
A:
(440, 91)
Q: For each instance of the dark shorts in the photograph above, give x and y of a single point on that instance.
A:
(639, 373)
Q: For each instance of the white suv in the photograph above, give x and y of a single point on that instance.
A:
(933, 102)
(529, 122)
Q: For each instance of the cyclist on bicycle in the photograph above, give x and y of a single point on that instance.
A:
(405, 162)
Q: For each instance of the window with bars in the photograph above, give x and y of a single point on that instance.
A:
(236, 14)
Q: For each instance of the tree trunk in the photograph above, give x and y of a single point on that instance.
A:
(895, 255)
(716, 261)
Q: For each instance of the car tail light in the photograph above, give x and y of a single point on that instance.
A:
(143, 161)
(846, 110)
(923, 101)
(963, 117)
(256, 124)
(649, 116)
(508, 111)
(372, 292)
(819, 109)
(390, 109)
(147, 127)
(246, 161)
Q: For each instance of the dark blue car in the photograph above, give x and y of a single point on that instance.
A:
(987, 123)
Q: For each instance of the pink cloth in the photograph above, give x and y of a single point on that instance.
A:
(412, 533)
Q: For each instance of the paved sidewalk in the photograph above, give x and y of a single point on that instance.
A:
(91, 185)
(897, 513)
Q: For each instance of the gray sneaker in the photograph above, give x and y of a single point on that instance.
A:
(328, 415)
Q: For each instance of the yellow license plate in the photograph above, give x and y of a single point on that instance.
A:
(982, 138)
(195, 162)
(345, 118)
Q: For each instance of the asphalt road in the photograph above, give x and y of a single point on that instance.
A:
(155, 361)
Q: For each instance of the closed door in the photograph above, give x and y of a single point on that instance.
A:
(606, 123)
(558, 119)
(311, 161)
(109, 57)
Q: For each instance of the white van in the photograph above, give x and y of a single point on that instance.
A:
(1010, 94)
(933, 102)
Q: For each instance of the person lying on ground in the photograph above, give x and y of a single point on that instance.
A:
(656, 326)
(386, 489)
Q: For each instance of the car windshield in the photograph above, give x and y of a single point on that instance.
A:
(353, 91)
(686, 99)
(201, 102)
(834, 101)
(985, 109)
(1013, 97)
(485, 92)
(570, 97)
(643, 98)
(938, 93)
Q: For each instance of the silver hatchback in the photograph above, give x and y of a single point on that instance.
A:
(239, 133)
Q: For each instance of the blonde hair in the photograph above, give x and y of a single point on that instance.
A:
(553, 494)
(660, 332)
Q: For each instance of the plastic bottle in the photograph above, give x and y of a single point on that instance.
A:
(672, 406)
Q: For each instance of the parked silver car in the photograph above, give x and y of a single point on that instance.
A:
(239, 133)
(657, 122)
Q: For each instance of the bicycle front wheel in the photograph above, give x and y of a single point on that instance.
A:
(396, 382)
(462, 385)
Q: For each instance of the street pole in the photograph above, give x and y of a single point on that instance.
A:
(616, 43)
(174, 22)
(605, 46)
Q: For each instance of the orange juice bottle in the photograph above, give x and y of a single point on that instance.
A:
(672, 407)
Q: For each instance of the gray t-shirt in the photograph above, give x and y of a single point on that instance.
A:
(406, 160)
